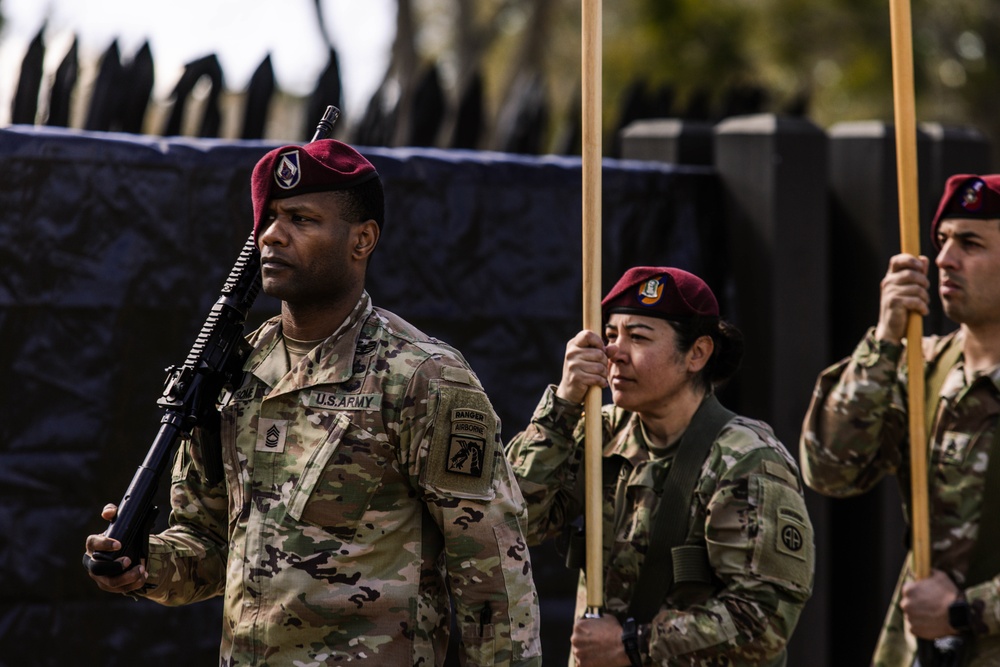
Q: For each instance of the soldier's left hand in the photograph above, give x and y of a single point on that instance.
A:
(597, 642)
(925, 604)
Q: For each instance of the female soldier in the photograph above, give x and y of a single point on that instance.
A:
(727, 587)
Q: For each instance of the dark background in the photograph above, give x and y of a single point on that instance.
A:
(113, 248)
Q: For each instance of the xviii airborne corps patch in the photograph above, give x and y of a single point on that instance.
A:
(467, 444)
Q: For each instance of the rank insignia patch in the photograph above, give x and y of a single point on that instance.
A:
(271, 435)
(286, 172)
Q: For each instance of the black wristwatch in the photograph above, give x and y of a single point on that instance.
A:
(960, 615)
(630, 640)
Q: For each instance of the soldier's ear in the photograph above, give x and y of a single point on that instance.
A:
(365, 239)
(700, 353)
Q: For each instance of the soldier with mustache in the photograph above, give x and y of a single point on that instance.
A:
(347, 524)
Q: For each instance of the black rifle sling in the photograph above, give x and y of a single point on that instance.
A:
(670, 519)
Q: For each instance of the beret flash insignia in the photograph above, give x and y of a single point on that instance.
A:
(286, 171)
(972, 198)
(651, 291)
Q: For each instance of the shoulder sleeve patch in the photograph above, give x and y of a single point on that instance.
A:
(463, 448)
(784, 552)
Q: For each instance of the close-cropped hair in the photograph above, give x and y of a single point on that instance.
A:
(363, 202)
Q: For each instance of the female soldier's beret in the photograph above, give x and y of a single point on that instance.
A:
(968, 196)
(320, 166)
(660, 291)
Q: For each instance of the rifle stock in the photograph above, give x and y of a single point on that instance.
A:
(189, 398)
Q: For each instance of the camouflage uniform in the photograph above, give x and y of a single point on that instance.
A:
(362, 487)
(856, 432)
(748, 491)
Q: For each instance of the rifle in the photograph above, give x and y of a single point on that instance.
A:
(189, 399)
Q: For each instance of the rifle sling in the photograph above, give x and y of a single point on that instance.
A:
(984, 563)
(670, 519)
(948, 355)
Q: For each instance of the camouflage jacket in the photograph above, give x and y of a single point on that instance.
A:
(747, 494)
(362, 488)
(856, 432)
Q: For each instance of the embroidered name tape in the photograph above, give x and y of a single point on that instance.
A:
(333, 401)
(247, 393)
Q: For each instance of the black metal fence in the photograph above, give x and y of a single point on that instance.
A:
(120, 100)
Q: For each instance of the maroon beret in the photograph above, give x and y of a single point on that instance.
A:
(293, 170)
(968, 196)
(660, 291)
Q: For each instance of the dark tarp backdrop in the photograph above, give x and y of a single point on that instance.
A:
(112, 250)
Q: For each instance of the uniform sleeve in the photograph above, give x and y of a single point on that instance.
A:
(456, 460)
(760, 549)
(854, 430)
(187, 561)
(546, 460)
(984, 599)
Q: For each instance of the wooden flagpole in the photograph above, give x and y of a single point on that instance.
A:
(591, 153)
(909, 228)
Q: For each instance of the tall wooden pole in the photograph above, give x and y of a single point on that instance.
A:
(591, 131)
(909, 234)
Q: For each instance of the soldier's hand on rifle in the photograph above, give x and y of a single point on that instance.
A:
(127, 581)
(585, 365)
(904, 289)
(597, 642)
(925, 603)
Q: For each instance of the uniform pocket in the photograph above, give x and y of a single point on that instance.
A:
(643, 491)
(338, 481)
(478, 642)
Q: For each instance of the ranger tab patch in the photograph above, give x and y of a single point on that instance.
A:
(467, 445)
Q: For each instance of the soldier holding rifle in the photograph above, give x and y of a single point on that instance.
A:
(855, 432)
(708, 549)
(365, 482)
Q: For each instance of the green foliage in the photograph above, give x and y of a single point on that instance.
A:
(834, 53)
(830, 58)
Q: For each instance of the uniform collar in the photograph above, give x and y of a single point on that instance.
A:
(955, 386)
(330, 362)
(630, 443)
